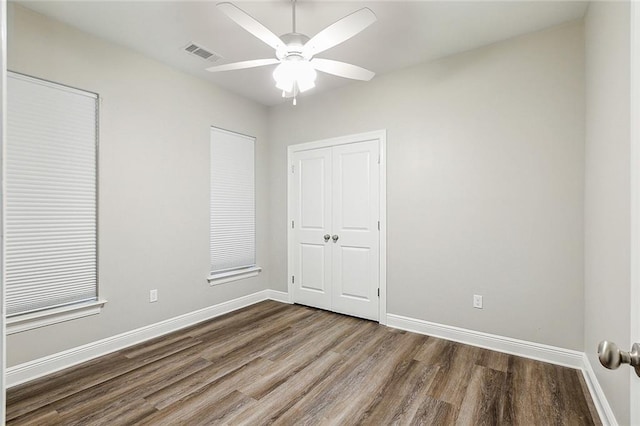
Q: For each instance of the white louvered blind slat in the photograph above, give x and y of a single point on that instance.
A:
(232, 208)
(51, 195)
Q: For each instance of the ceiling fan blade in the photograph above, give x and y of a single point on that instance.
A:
(342, 69)
(242, 65)
(339, 31)
(247, 22)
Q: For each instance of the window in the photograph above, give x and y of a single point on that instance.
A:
(51, 227)
(232, 207)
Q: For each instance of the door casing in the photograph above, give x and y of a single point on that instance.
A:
(3, 133)
(634, 51)
(381, 136)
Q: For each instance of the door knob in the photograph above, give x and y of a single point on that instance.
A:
(326, 237)
(611, 356)
(335, 238)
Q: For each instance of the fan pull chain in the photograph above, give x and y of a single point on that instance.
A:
(295, 93)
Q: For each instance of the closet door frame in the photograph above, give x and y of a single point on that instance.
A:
(381, 136)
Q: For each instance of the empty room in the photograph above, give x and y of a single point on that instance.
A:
(320, 212)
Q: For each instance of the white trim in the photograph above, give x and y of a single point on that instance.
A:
(238, 274)
(50, 364)
(597, 394)
(523, 348)
(52, 85)
(634, 135)
(290, 216)
(234, 155)
(382, 316)
(46, 317)
(381, 136)
(340, 140)
(77, 282)
(278, 296)
(40, 367)
(3, 190)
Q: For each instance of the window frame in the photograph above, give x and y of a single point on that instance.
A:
(19, 322)
(223, 276)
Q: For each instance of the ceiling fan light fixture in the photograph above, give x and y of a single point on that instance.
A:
(299, 72)
(296, 52)
(283, 75)
(285, 85)
(304, 85)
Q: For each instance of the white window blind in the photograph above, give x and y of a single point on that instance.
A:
(50, 195)
(232, 231)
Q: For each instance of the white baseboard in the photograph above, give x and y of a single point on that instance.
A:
(537, 351)
(597, 394)
(278, 296)
(40, 367)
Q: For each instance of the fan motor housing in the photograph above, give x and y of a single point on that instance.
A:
(294, 42)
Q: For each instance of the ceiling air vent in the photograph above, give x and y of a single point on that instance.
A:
(201, 52)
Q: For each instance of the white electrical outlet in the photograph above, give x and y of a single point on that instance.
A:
(477, 301)
(153, 295)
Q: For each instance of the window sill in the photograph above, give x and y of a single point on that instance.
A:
(240, 274)
(53, 316)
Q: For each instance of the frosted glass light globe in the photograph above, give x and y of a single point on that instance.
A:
(297, 71)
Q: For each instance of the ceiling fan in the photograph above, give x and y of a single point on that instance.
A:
(295, 52)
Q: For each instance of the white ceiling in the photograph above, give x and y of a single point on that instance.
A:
(406, 33)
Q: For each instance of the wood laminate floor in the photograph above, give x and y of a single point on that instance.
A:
(289, 364)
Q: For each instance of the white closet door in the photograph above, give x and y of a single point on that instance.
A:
(336, 242)
(312, 221)
(355, 252)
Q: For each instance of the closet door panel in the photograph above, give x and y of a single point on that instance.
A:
(312, 221)
(355, 215)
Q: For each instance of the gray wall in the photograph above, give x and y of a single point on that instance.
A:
(607, 193)
(485, 183)
(487, 168)
(154, 180)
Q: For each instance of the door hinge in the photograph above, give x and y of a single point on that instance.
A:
(378, 291)
(378, 158)
(378, 225)
(293, 279)
(293, 168)
(292, 224)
